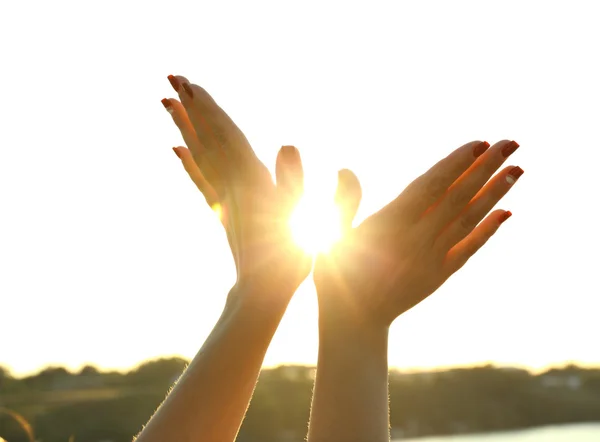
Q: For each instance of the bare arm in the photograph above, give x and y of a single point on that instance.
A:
(385, 266)
(210, 399)
(352, 381)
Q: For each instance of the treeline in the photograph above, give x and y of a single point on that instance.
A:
(93, 406)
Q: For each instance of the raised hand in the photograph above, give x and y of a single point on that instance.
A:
(404, 252)
(385, 266)
(209, 401)
(254, 211)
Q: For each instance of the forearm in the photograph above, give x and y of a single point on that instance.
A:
(210, 399)
(350, 400)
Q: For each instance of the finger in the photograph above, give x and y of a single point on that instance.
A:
(289, 173)
(210, 111)
(211, 156)
(176, 81)
(461, 252)
(183, 123)
(211, 196)
(347, 197)
(195, 174)
(229, 150)
(423, 192)
(180, 117)
(466, 187)
(479, 207)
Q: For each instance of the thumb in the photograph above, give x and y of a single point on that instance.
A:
(289, 173)
(347, 197)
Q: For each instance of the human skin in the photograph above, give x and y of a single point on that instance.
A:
(210, 399)
(385, 266)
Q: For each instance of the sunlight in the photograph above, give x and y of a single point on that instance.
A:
(216, 207)
(315, 224)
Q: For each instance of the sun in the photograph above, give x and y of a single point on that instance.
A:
(315, 224)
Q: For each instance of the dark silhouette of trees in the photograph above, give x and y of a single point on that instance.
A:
(92, 405)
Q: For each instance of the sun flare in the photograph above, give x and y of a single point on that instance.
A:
(315, 224)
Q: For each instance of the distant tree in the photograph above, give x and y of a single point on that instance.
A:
(89, 370)
(4, 376)
(46, 378)
(432, 403)
(159, 372)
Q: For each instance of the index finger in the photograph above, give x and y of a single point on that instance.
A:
(217, 130)
(180, 117)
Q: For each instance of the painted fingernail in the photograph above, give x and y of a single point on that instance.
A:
(505, 216)
(167, 104)
(174, 82)
(188, 90)
(176, 152)
(509, 148)
(480, 148)
(514, 174)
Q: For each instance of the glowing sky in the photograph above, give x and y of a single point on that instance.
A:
(109, 255)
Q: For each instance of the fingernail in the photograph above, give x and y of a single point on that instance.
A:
(345, 179)
(188, 90)
(514, 174)
(480, 148)
(505, 216)
(176, 152)
(343, 175)
(167, 104)
(289, 151)
(174, 82)
(509, 148)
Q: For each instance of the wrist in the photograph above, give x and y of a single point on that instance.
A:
(247, 297)
(363, 339)
(349, 318)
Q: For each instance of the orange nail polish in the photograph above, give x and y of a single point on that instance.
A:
(514, 174)
(174, 82)
(480, 148)
(176, 152)
(505, 216)
(167, 104)
(509, 148)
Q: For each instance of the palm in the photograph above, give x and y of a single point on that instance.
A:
(257, 218)
(364, 275)
(254, 210)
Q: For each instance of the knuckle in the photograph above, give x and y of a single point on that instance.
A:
(435, 186)
(198, 89)
(500, 188)
(466, 223)
(471, 250)
(457, 198)
(489, 167)
(495, 193)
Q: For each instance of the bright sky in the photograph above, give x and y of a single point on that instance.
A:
(109, 255)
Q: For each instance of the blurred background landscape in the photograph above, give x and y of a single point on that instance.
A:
(94, 406)
(109, 255)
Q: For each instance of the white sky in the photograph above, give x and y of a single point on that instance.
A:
(109, 256)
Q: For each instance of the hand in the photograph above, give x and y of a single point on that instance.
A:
(254, 211)
(403, 253)
(210, 399)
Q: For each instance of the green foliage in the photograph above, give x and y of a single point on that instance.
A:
(91, 405)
